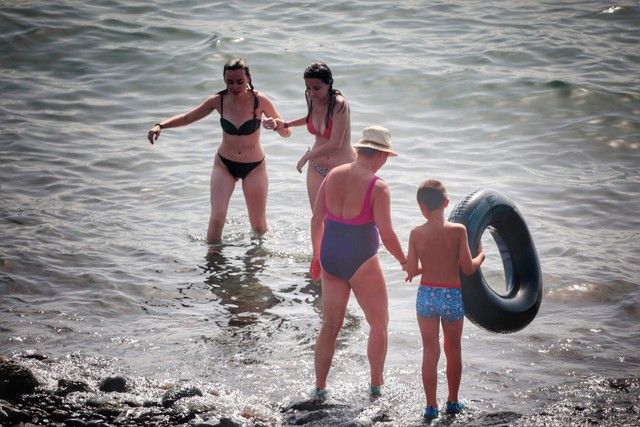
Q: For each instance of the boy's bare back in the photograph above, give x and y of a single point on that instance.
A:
(441, 249)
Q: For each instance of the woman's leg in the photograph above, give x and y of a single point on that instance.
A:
(370, 290)
(335, 296)
(453, 351)
(314, 179)
(221, 187)
(255, 187)
(429, 331)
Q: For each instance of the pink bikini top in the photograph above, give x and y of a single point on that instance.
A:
(366, 213)
(312, 130)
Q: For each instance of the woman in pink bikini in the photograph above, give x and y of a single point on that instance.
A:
(350, 216)
(328, 120)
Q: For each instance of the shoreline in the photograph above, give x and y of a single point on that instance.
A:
(120, 401)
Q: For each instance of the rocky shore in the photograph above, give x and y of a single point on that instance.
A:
(118, 401)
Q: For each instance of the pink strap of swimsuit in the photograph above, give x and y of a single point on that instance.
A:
(366, 213)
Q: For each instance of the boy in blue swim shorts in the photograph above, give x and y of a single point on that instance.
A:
(438, 250)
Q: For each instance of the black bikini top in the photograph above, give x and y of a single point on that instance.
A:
(248, 127)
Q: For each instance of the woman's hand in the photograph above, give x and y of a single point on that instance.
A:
(303, 160)
(314, 269)
(154, 133)
(273, 123)
(270, 123)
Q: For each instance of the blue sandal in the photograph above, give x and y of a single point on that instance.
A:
(430, 412)
(454, 407)
(375, 390)
(319, 394)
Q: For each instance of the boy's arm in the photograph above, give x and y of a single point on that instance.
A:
(467, 264)
(412, 267)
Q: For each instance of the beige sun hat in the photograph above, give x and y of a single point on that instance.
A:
(378, 138)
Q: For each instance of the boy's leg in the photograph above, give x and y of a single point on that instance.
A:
(453, 351)
(370, 290)
(335, 296)
(429, 330)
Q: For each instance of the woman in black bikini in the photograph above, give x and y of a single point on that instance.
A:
(328, 119)
(240, 155)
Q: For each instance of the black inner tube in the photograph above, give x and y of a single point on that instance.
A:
(519, 304)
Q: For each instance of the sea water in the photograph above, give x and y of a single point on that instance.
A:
(103, 261)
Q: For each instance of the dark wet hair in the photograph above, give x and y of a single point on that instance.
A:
(238, 64)
(322, 72)
(432, 194)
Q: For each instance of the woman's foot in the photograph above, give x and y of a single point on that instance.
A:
(319, 394)
(375, 390)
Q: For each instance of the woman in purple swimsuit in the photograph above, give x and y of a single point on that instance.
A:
(352, 212)
(328, 120)
(240, 155)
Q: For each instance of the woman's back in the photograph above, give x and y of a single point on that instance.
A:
(348, 189)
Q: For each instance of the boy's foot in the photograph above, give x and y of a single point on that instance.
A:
(454, 407)
(319, 394)
(375, 390)
(430, 412)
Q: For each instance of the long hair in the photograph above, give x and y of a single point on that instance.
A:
(322, 72)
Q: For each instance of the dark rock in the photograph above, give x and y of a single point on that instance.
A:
(175, 394)
(58, 415)
(4, 417)
(15, 380)
(132, 403)
(310, 405)
(114, 384)
(227, 422)
(97, 423)
(75, 422)
(104, 407)
(35, 356)
(67, 386)
(499, 418)
(311, 417)
(381, 418)
(13, 415)
(181, 417)
(109, 411)
(621, 384)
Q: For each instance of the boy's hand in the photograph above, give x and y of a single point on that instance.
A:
(409, 278)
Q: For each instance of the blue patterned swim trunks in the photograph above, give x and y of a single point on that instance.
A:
(440, 302)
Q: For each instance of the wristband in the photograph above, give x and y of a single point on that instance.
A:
(159, 125)
(286, 125)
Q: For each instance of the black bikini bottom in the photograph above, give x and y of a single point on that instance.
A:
(239, 170)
